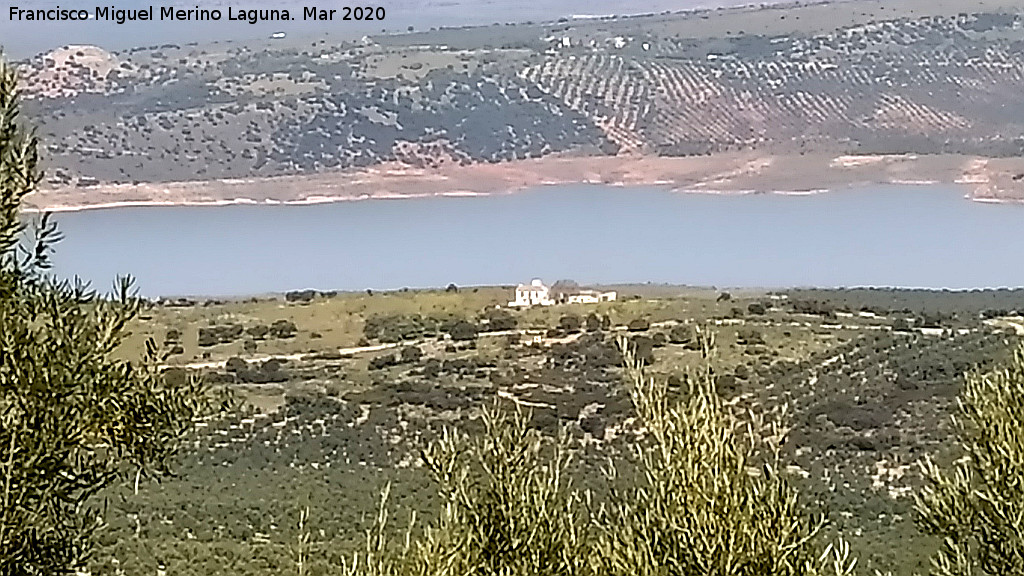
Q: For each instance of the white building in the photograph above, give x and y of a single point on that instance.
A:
(533, 294)
(563, 292)
(589, 297)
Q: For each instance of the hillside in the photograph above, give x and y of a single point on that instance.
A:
(344, 389)
(907, 80)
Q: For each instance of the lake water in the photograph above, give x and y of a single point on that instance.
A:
(882, 236)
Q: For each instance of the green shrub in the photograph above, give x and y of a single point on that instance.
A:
(399, 327)
(508, 509)
(976, 504)
(383, 361)
(463, 331)
(74, 419)
(258, 332)
(235, 364)
(214, 335)
(639, 325)
(570, 323)
(283, 329)
(499, 320)
(207, 337)
(508, 506)
(680, 334)
(709, 497)
(749, 336)
(411, 354)
(642, 349)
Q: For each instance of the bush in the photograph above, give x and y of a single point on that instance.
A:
(432, 368)
(639, 325)
(235, 364)
(411, 354)
(815, 307)
(642, 349)
(258, 332)
(570, 323)
(175, 376)
(463, 331)
(749, 337)
(602, 355)
(407, 355)
(681, 334)
(500, 320)
(283, 329)
(208, 337)
(726, 385)
(507, 508)
(393, 328)
(383, 361)
(975, 505)
(304, 296)
(695, 507)
(214, 335)
(269, 372)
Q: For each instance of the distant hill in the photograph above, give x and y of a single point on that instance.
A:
(866, 77)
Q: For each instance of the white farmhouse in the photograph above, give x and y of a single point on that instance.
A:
(536, 293)
(533, 294)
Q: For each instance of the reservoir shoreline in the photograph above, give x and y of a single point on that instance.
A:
(986, 180)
